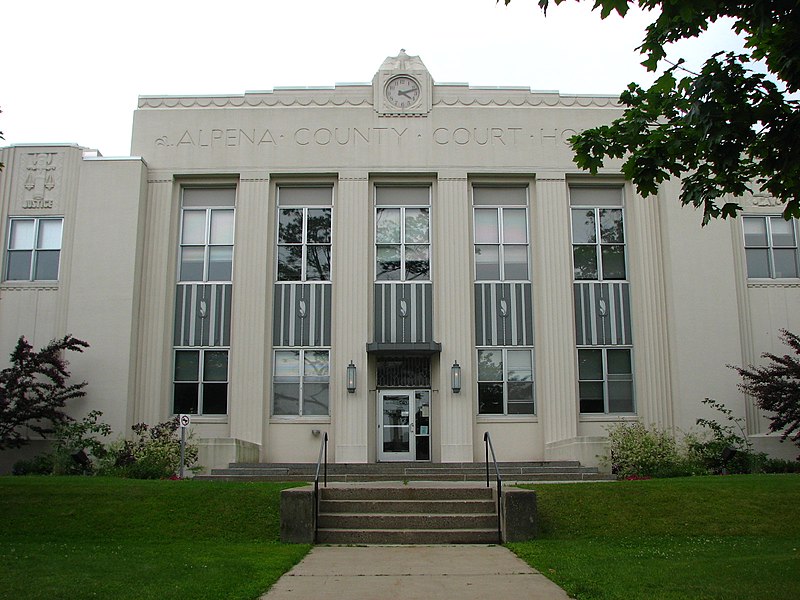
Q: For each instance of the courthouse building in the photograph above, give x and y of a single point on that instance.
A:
(401, 264)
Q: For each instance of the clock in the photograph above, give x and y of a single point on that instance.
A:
(402, 91)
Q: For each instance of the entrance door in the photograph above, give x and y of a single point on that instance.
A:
(404, 425)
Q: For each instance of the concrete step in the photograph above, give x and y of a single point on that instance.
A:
(525, 477)
(410, 521)
(407, 536)
(406, 493)
(407, 506)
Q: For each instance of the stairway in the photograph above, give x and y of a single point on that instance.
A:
(407, 514)
(538, 471)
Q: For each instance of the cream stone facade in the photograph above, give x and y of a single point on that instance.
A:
(254, 247)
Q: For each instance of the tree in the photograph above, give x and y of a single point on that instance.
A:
(34, 390)
(776, 388)
(726, 129)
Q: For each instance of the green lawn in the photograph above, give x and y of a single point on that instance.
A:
(76, 537)
(699, 538)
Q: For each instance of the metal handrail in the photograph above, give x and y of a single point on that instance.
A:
(487, 442)
(321, 460)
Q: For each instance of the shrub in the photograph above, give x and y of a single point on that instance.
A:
(38, 465)
(639, 451)
(723, 448)
(154, 453)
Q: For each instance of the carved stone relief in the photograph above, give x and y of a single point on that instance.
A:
(40, 180)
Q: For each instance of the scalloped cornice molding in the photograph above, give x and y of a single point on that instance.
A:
(362, 97)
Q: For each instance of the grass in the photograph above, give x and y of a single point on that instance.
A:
(76, 537)
(699, 538)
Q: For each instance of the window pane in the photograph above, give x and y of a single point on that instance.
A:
(417, 229)
(755, 231)
(187, 364)
(595, 196)
(591, 396)
(290, 226)
(490, 365)
(315, 363)
(290, 263)
(387, 226)
(209, 196)
(515, 259)
(221, 227)
(49, 234)
(318, 267)
(315, 398)
(287, 363)
(611, 231)
(486, 228)
(515, 226)
(585, 258)
(192, 259)
(782, 232)
(757, 262)
(417, 262)
(220, 263)
(490, 398)
(403, 195)
(19, 265)
(620, 396)
(520, 398)
(583, 229)
(22, 234)
(215, 398)
(286, 399)
(487, 263)
(319, 226)
(785, 262)
(590, 365)
(499, 195)
(305, 196)
(47, 265)
(194, 227)
(215, 365)
(518, 363)
(388, 262)
(613, 261)
(185, 398)
(619, 362)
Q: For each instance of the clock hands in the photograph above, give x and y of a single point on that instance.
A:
(406, 93)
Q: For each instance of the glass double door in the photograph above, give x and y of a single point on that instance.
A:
(404, 425)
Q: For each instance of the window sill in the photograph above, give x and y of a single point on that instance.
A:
(507, 419)
(18, 285)
(607, 418)
(768, 282)
(299, 419)
(208, 419)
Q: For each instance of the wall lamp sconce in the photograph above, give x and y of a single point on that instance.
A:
(455, 377)
(351, 378)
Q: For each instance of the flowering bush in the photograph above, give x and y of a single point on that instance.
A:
(154, 453)
(637, 451)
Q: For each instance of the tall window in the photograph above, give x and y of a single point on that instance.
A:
(505, 381)
(304, 233)
(605, 373)
(34, 249)
(206, 252)
(771, 247)
(402, 233)
(598, 234)
(501, 233)
(300, 383)
(201, 382)
(605, 380)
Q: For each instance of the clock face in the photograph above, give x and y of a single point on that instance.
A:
(402, 91)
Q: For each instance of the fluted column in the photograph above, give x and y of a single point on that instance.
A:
(249, 355)
(648, 310)
(352, 279)
(556, 393)
(153, 379)
(452, 289)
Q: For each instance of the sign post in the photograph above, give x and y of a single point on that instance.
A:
(184, 421)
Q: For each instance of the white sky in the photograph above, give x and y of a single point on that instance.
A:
(72, 71)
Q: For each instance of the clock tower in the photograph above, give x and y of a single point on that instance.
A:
(402, 87)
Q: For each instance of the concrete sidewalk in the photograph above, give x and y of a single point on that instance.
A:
(464, 572)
